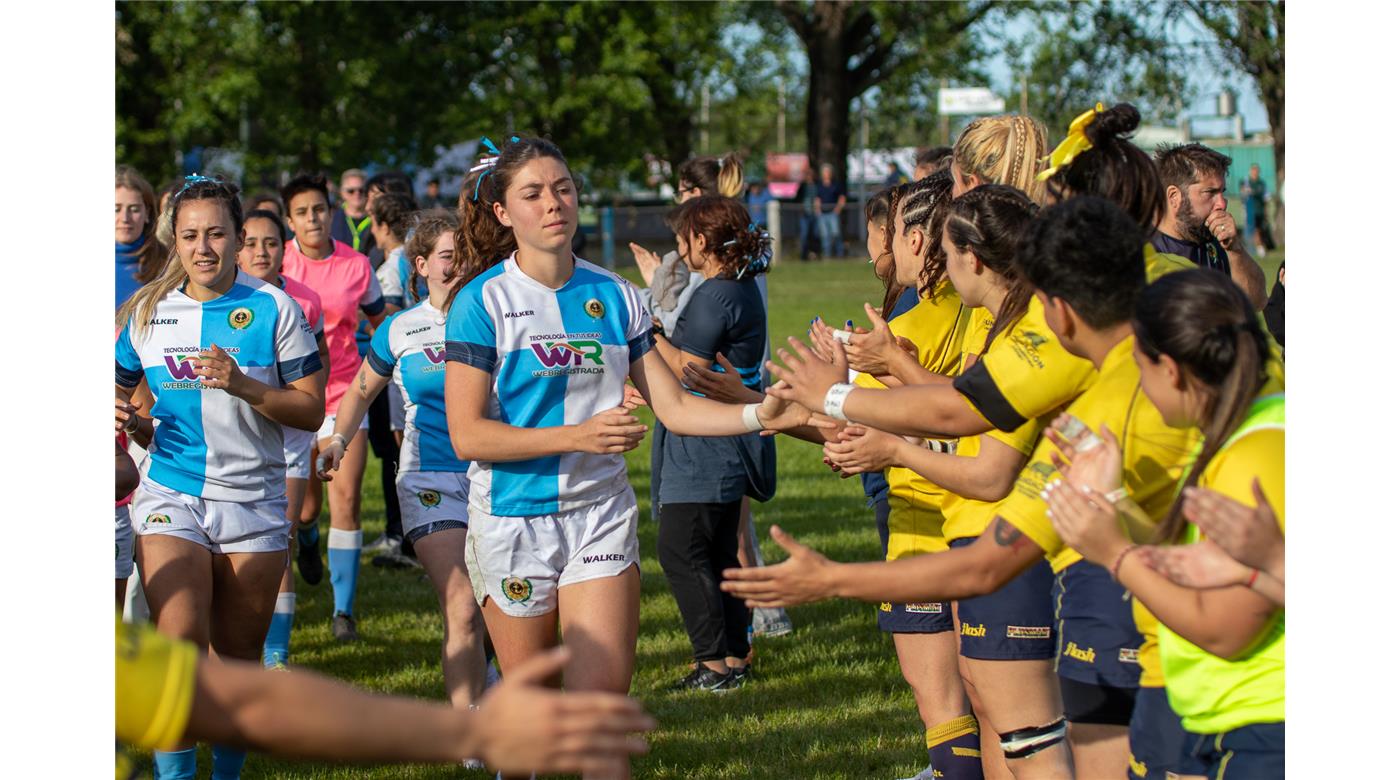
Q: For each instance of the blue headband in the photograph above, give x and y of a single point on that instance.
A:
(196, 178)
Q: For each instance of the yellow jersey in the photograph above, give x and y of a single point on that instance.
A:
(1212, 694)
(155, 686)
(966, 517)
(935, 325)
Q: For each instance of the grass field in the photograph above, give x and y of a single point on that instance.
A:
(828, 700)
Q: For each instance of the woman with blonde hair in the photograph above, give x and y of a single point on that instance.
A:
(1003, 149)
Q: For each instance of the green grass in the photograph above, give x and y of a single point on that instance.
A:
(828, 701)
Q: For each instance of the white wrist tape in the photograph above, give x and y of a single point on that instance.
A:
(843, 336)
(335, 437)
(1116, 495)
(751, 421)
(836, 399)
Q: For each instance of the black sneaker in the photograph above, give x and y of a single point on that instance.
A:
(704, 679)
(309, 564)
(343, 628)
(739, 677)
(394, 559)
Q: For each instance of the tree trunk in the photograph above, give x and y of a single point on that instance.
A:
(828, 95)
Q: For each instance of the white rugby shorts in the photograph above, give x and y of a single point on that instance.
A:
(521, 562)
(296, 446)
(217, 526)
(328, 427)
(431, 501)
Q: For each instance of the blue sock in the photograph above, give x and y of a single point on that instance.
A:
(954, 749)
(309, 535)
(277, 645)
(228, 763)
(178, 765)
(343, 550)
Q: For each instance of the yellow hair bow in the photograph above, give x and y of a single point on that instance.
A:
(1074, 143)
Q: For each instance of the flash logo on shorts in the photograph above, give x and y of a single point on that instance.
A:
(516, 589)
(1085, 654)
(1027, 632)
(429, 498)
(157, 519)
(977, 630)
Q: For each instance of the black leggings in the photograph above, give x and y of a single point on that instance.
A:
(695, 544)
(381, 442)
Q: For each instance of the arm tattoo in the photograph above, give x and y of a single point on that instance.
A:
(1006, 534)
(363, 390)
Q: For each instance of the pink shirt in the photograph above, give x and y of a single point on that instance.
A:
(346, 283)
(309, 301)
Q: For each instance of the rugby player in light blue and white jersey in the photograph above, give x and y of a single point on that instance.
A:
(408, 350)
(229, 360)
(539, 346)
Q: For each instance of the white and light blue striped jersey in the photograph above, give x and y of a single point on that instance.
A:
(556, 357)
(208, 443)
(395, 276)
(409, 346)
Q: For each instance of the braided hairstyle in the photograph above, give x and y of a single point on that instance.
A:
(1204, 322)
(1115, 169)
(989, 222)
(1004, 150)
(926, 207)
(741, 248)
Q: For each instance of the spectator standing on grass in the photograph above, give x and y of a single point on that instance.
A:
(807, 225)
(830, 199)
(350, 219)
(1255, 194)
(757, 200)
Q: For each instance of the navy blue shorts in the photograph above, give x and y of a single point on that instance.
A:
(1016, 623)
(1253, 752)
(1155, 737)
(1098, 639)
(931, 618)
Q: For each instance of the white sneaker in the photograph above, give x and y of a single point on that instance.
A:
(383, 544)
(924, 774)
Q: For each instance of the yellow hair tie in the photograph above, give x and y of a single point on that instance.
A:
(1074, 143)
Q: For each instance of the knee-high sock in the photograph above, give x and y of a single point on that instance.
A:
(176, 765)
(228, 763)
(953, 749)
(277, 645)
(343, 551)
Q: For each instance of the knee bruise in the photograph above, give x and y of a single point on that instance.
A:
(1022, 743)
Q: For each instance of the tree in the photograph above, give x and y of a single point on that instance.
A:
(1250, 35)
(852, 48)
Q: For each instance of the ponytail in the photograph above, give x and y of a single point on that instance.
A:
(1004, 150)
(1204, 322)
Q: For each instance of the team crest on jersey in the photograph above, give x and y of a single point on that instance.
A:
(164, 519)
(429, 498)
(240, 318)
(1026, 344)
(516, 589)
(594, 308)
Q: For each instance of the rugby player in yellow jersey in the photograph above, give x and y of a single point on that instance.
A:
(1084, 258)
(1006, 639)
(1203, 359)
(168, 693)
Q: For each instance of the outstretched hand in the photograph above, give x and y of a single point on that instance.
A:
(804, 376)
(525, 726)
(804, 577)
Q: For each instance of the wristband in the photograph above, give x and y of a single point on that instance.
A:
(1254, 575)
(836, 399)
(751, 421)
(344, 445)
(1117, 562)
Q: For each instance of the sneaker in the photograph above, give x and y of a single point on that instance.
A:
(771, 621)
(393, 559)
(343, 628)
(704, 679)
(309, 564)
(384, 543)
(924, 774)
(739, 677)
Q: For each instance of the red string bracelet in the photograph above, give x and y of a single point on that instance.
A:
(1252, 578)
(1117, 562)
